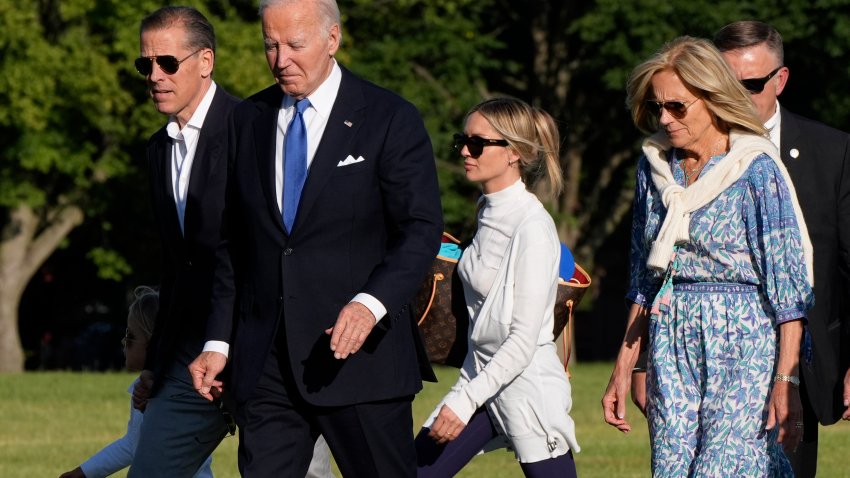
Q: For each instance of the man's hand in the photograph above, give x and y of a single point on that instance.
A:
(203, 371)
(142, 390)
(446, 427)
(786, 411)
(846, 415)
(353, 325)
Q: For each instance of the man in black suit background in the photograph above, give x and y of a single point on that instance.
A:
(818, 161)
(187, 166)
(332, 219)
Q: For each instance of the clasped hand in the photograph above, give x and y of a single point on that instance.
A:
(446, 427)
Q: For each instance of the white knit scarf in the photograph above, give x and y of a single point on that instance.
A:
(681, 202)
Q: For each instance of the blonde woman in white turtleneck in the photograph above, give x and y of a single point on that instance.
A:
(512, 387)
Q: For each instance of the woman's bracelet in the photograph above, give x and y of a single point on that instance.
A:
(792, 379)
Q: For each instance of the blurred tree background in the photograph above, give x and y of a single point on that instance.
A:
(75, 226)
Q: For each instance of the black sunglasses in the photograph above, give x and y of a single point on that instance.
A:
(475, 144)
(756, 85)
(169, 63)
(677, 109)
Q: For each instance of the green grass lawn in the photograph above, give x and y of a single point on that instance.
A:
(53, 421)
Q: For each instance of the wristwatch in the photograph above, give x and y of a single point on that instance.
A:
(792, 379)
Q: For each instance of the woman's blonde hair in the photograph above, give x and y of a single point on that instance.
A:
(143, 309)
(533, 134)
(704, 72)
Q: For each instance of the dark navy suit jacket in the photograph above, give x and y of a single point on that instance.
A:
(372, 226)
(188, 261)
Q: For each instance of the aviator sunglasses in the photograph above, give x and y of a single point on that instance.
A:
(756, 85)
(475, 144)
(677, 109)
(169, 63)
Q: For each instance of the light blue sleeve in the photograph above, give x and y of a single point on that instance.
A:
(645, 225)
(118, 454)
(774, 236)
(205, 471)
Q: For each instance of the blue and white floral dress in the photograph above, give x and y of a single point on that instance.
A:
(713, 349)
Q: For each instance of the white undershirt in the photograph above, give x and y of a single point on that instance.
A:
(774, 126)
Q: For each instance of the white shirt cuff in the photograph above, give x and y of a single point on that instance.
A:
(374, 305)
(217, 346)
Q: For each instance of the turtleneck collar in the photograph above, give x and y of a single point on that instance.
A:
(507, 195)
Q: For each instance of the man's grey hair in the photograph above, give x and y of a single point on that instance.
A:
(328, 10)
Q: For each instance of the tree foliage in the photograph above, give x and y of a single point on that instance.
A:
(74, 114)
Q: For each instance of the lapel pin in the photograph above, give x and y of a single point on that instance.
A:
(794, 153)
(348, 123)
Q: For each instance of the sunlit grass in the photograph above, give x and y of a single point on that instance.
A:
(54, 421)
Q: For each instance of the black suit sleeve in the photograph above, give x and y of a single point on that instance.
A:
(408, 182)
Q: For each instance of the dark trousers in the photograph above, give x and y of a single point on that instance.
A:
(180, 430)
(277, 430)
(804, 460)
(443, 461)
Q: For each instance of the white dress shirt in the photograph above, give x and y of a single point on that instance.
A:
(184, 143)
(315, 119)
(774, 126)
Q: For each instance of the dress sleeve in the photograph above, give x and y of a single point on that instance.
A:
(534, 282)
(118, 454)
(643, 285)
(774, 239)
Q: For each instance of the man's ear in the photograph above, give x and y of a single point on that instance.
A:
(782, 79)
(333, 40)
(207, 62)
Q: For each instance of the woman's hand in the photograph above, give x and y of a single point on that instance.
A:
(446, 427)
(615, 399)
(786, 411)
(617, 394)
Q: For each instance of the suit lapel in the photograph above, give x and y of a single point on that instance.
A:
(206, 157)
(789, 133)
(163, 183)
(265, 137)
(345, 119)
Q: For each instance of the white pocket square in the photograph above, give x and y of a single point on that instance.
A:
(350, 160)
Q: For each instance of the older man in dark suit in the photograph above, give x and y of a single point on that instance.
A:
(818, 160)
(188, 170)
(333, 219)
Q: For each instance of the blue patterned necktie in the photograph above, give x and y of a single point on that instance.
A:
(294, 163)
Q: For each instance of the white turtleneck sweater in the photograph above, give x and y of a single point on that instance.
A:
(510, 277)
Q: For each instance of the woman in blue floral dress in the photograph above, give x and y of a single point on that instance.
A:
(720, 275)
